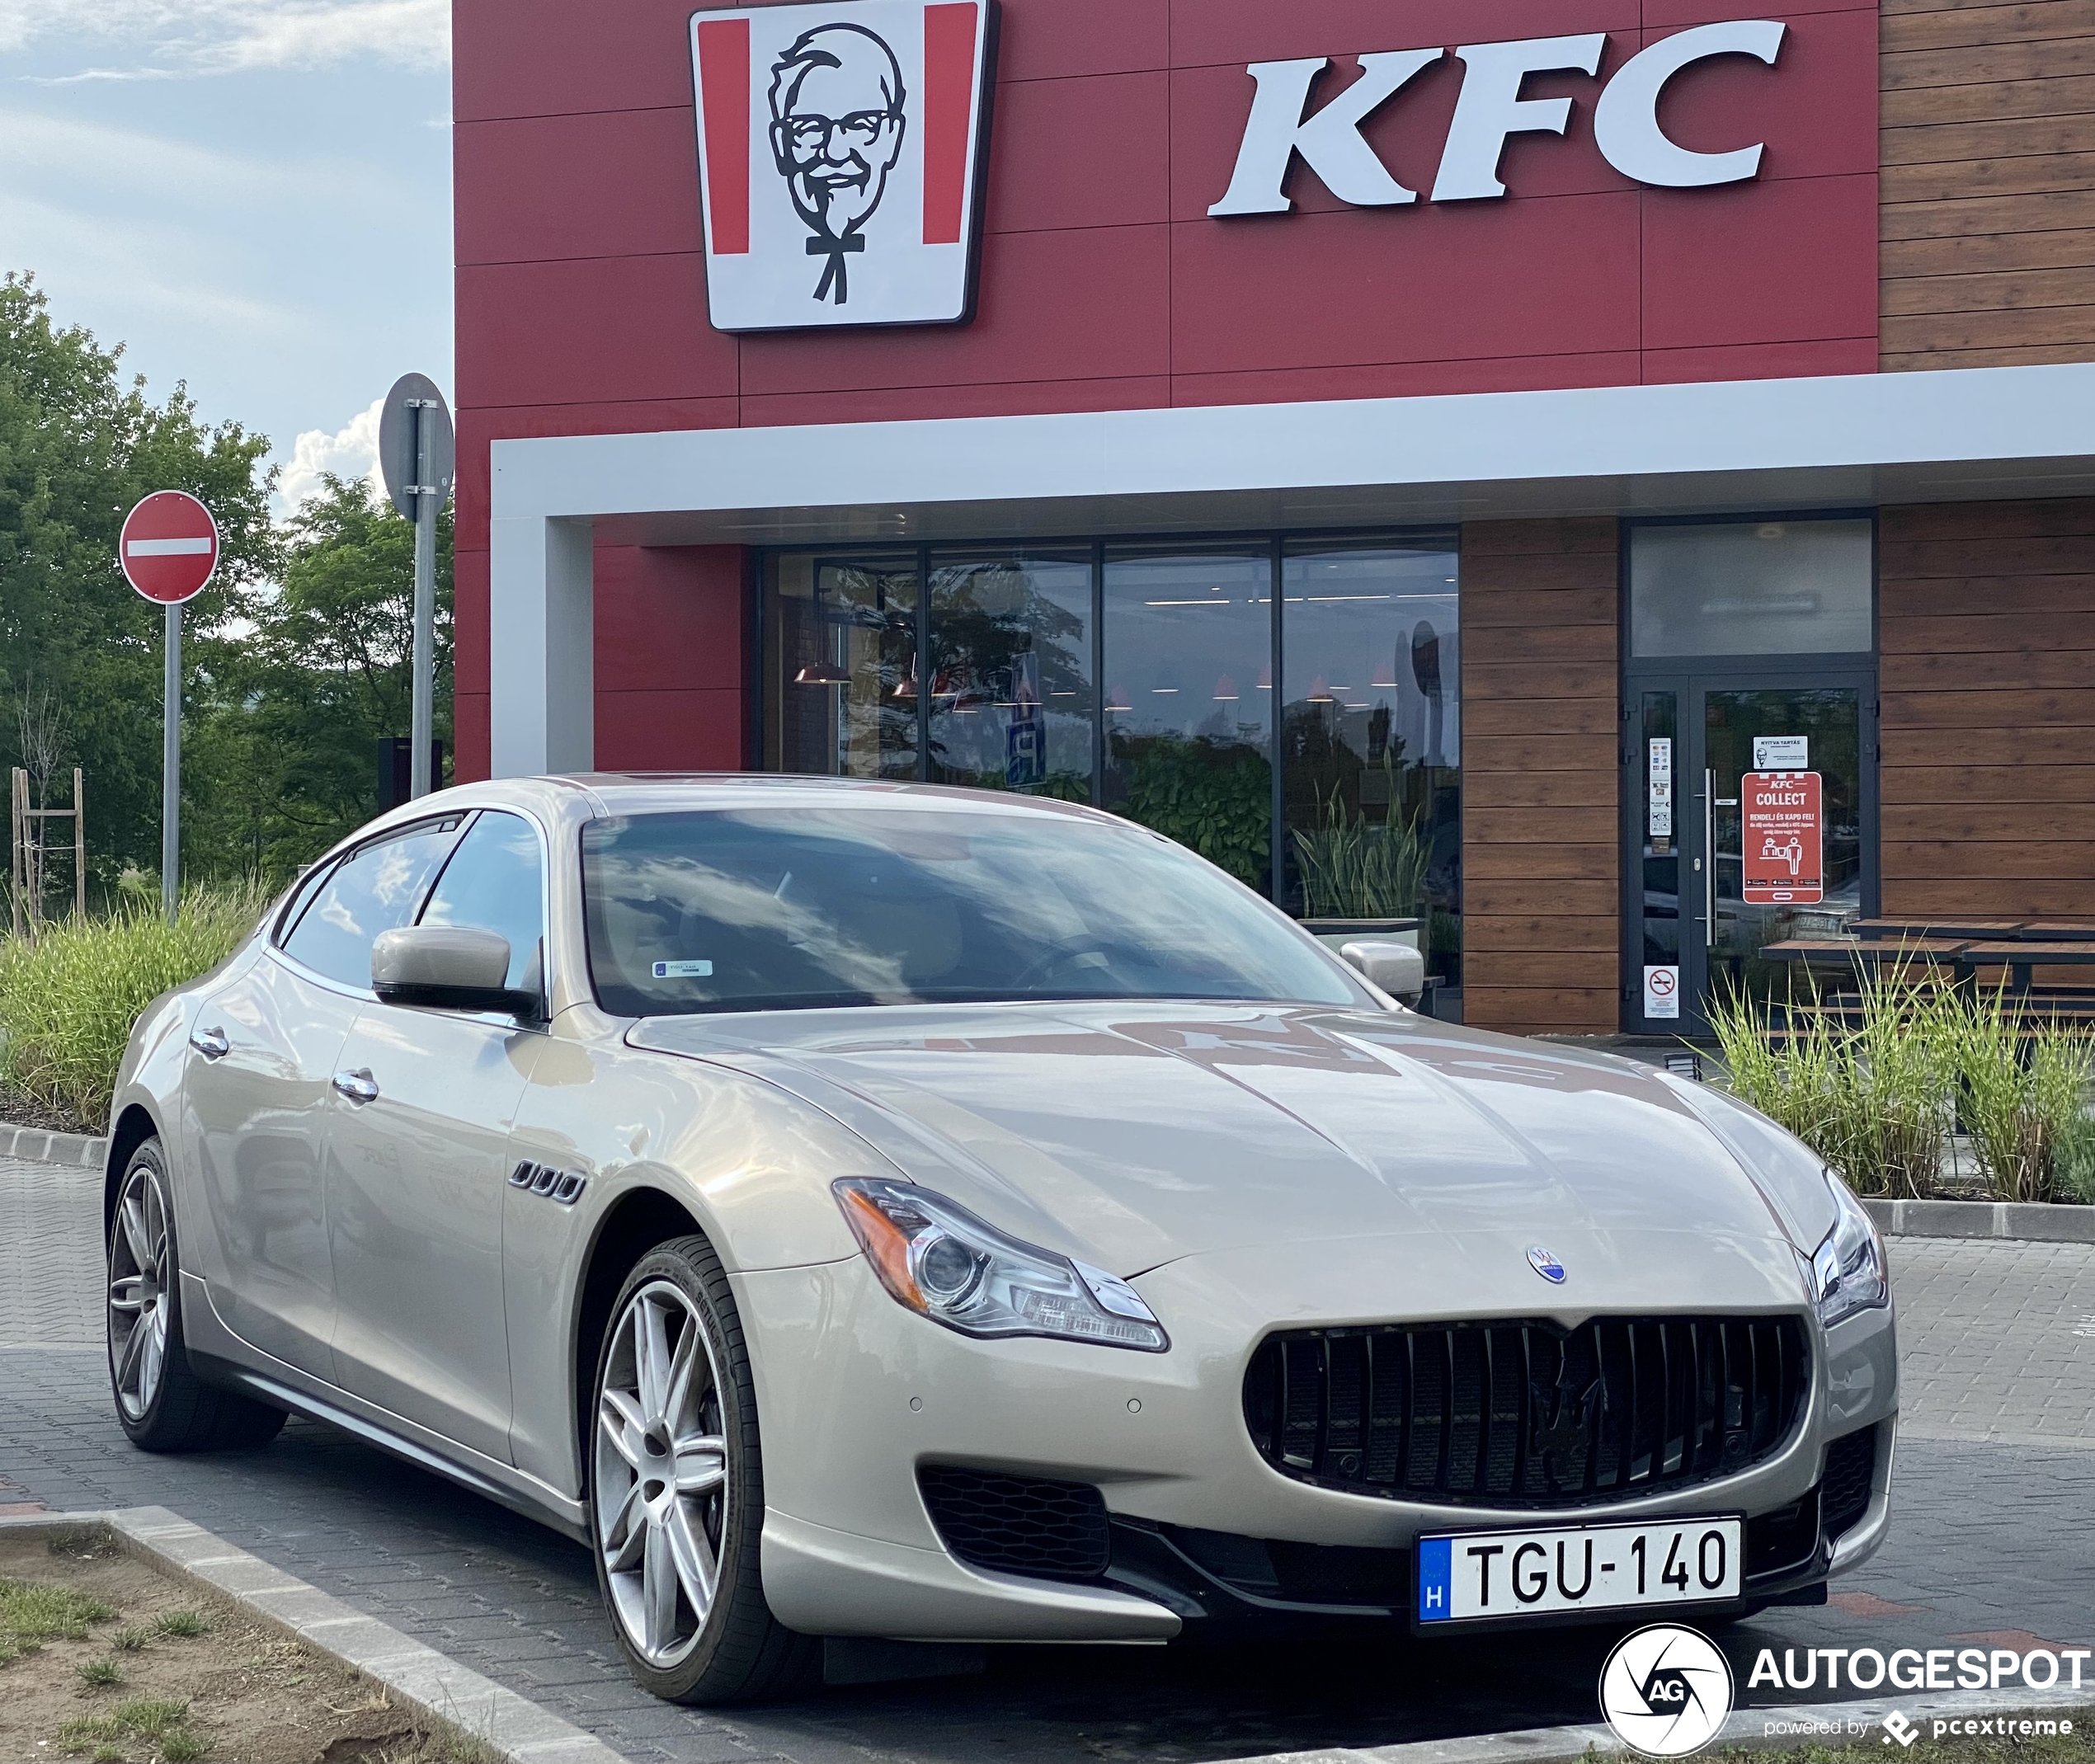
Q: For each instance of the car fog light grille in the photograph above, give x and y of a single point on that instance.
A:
(1018, 1525)
(1527, 1414)
(1844, 1492)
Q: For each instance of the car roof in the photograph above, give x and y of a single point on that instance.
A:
(656, 793)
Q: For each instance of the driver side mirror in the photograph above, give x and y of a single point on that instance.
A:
(1397, 968)
(449, 967)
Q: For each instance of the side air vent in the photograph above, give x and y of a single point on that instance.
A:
(1844, 1492)
(1018, 1525)
(563, 1186)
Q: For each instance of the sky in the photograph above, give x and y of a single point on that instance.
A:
(253, 196)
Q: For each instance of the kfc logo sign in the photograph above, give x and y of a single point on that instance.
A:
(840, 154)
(1488, 109)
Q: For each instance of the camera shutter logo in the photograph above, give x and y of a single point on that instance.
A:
(839, 150)
(1666, 1691)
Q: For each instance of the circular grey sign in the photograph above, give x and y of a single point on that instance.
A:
(412, 395)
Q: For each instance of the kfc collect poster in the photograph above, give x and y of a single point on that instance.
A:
(839, 161)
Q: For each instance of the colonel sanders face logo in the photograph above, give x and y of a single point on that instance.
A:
(836, 131)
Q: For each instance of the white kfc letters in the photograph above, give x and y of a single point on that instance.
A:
(1490, 109)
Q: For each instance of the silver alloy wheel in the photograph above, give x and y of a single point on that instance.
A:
(138, 1291)
(662, 1474)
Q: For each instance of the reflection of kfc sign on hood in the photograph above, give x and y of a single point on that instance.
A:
(839, 152)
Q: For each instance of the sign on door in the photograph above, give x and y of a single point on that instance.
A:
(1784, 844)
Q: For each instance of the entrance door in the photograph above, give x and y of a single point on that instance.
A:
(1697, 913)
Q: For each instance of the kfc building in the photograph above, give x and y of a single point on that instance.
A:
(1463, 465)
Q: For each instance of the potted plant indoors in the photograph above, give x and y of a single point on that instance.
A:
(1360, 878)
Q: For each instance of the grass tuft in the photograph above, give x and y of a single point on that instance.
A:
(182, 1623)
(31, 1613)
(68, 999)
(99, 1674)
(129, 1639)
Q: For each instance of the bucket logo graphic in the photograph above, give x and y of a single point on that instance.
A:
(1666, 1691)
(839, 149)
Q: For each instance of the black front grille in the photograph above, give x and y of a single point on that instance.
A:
(1844, 1490)
(1527, 1415)
(1018, 1525)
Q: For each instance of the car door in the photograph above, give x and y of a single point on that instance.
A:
(417, 1165)
(265, 1052)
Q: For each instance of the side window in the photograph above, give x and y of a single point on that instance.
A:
(495, 882)
(375, 888)
(301, 898)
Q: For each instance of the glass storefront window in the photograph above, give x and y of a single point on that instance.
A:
(1752, 588)
(842, 638)
(1143, 676)
(1011, 700)
(1188, 698)
(1371, 736)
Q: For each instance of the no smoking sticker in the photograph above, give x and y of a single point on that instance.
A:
(1662, 991)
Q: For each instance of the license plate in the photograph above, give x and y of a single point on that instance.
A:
(1471, 1575)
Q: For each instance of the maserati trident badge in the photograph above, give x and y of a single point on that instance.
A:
(1547, 1265)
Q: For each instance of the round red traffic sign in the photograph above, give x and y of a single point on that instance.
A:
(169, 546)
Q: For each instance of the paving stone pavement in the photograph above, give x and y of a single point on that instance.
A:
(1994, 1544)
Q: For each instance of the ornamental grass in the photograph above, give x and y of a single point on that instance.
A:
(1910, 1072)
(68, 997)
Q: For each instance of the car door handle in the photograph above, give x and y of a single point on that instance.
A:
(359, 1086)
(211, 1043)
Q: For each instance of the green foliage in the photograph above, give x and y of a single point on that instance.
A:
(78, 447)
(1878, 1096)
(1355, 869)
(99, 1674)
(285, 724)
(1215, 797)
(32, 1612)
(181, 1623)
(158, 1721)
(67, 1000)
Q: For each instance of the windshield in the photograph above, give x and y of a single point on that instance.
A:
(780, 908)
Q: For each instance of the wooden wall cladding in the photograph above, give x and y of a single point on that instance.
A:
(1986, 622)
(1540, 842)
(1987, 190)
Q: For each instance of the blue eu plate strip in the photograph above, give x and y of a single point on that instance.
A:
(1436, 1579)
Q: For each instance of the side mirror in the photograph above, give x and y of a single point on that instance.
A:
(449, 967)
(1397, 968)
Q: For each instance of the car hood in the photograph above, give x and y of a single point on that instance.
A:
(1135, 1134)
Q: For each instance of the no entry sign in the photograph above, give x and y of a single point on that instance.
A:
(1785, 839)
(169, 546)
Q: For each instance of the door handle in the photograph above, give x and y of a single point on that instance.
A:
(211, 1043)
(1709, 857)
(359, 1086)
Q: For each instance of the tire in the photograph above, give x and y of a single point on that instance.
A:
(161, 1403)
(656, 1528)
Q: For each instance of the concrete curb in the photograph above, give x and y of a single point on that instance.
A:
(2039, 1223)
(37, 1146)
(425, 1680)
(1747, 1726)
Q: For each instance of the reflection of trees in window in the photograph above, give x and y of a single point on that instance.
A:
(864, 664)
(986, 618)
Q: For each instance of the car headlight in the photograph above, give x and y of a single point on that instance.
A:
(944, 1264)
(1847, 1271)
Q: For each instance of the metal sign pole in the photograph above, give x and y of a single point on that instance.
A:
(422, 724)
(171, 770)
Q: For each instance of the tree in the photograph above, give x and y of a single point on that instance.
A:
(289, 713)
(78, 448)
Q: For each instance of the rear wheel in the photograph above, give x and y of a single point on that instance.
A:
(676, 1490)
(161, 1403)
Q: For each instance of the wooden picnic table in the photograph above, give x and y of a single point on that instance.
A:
(2020, 955)
(1893, 930)
(1846, 952)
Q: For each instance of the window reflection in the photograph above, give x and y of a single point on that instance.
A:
(842, 634)
(1371, 739)
(1188, 698)
(1011, 699)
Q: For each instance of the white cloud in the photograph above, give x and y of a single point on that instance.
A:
(224, 36)
(349, 451)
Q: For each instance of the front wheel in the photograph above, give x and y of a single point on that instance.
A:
(676, 1490)
(161, 1403)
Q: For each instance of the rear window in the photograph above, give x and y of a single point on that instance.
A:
(766, 910)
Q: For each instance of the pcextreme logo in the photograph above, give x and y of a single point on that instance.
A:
(840, 153)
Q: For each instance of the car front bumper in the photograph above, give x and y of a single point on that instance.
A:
(855, 1394)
